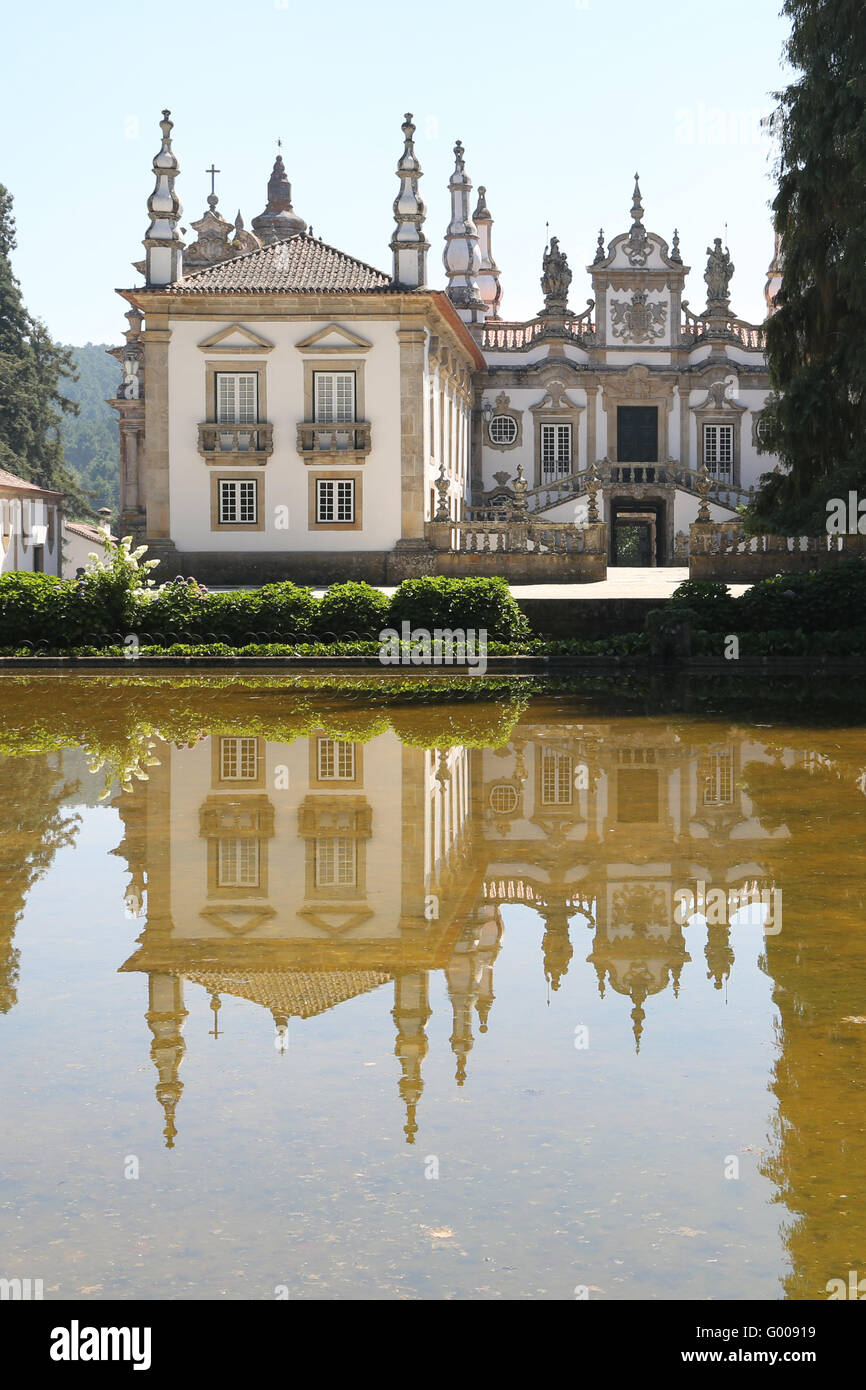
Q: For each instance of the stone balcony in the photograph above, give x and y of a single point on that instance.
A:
(346, 442)
(224, 443)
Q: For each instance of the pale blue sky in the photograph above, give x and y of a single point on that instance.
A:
(557, 102)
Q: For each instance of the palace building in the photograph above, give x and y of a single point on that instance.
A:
(288, 411)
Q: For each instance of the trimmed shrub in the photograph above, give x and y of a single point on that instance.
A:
(184, 611)
(477, 604)
(353, 608)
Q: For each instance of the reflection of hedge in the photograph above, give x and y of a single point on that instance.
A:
(117, 719)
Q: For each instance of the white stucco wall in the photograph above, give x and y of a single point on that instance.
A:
(24, 523)
(285, 473)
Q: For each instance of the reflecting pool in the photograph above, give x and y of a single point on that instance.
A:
(321, 993)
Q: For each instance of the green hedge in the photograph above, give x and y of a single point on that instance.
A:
(99, 609)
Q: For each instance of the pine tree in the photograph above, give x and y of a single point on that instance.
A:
(816, 339)
(33, 370)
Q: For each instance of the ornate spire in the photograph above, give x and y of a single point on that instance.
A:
(637, 205)
(489, 286)
(410, 1014)
(675, 248)
(409, 244)
(163, 263)
(774, 275)
(212, 244)
(279, 219)
(243, 241)
(462, 255)
(600, 253)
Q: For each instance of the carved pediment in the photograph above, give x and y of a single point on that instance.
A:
(237, 920)
(335, 918)
(720, 397)
(555, 399)
(334, 338)
(235, 339)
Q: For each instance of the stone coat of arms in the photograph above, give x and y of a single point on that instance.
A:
(638, 320)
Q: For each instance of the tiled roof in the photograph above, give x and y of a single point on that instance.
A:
(90, 533)
(12, 480)
(292, 993)
(302, 264)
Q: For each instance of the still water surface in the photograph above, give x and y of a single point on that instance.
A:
(311, 994)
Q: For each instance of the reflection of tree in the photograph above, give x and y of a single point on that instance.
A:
(33, 826)
(817, 962)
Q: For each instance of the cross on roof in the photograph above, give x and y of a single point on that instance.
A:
(213, 173)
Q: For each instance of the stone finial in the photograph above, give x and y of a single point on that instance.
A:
(279, 221)
(600, 253)
(408, 243)
(593, 486)
(243, 241)
(442, 486)
(774, 275)
(704, 488)
(489, 286)
(675, 248)
(637, 205)
(462, 254)
(521, 487)
(163, 263)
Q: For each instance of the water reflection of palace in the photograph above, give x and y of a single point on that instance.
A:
(300, 875)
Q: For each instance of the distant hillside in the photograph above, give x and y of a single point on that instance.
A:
(90, 439)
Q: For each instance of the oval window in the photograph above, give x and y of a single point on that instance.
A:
(503, 429)
(503, 799)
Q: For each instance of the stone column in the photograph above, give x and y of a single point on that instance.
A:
(412, 338)
(157, 336)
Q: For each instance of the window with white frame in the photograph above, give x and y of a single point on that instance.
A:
(238, 862)
(333, 397)
(556, 778)
(238, 504)
(555, 451)
(336, 862)
(335, 500)
(336, 760)
(239, 759)
(236, 398)
(719, 450)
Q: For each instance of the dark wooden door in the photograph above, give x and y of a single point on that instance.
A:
(637, 434)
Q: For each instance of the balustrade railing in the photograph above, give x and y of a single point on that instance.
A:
(254, 440)
(729, 538)
(516, 337)
(697, 326)
(344, 437)
(515, 536)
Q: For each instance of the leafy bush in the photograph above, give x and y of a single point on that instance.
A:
(33, 608)
(820, 601)
(352, 607)
(460, 603)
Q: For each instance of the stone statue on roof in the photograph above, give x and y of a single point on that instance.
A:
(718, 274)
(556, 276)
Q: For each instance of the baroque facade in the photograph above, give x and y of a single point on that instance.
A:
(288, 411)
